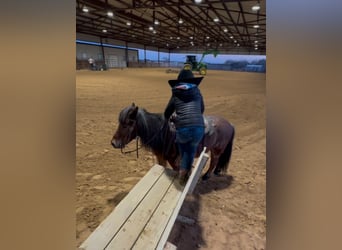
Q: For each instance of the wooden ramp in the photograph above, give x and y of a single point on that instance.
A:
(145, 217)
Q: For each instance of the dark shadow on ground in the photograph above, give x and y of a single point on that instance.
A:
(215, 183)
(189, 237)
(184, 236)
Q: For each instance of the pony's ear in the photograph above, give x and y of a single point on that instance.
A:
(133, 113)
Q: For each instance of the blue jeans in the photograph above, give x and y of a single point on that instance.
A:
(187, 139)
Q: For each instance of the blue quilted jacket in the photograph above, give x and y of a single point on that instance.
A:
(187, 102)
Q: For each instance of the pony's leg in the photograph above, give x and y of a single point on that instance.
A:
(174, 158)
(174, 163)
(217, 172)
(213, 163)
(161, 160)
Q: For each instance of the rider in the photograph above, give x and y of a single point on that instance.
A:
(187, 102)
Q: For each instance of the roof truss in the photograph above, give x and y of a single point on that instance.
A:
(233, 32)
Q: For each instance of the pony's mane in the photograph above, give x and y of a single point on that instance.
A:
(123, 114)
(150, 128)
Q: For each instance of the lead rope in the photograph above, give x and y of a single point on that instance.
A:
(137, 142)
(131, 151)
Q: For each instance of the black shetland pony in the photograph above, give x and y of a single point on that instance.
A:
(159, 136)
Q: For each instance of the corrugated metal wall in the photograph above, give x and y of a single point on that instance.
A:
(112, 57)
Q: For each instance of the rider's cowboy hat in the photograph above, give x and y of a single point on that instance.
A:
(186, 76)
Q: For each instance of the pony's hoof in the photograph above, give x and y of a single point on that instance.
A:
(205, 177)
(218, 173)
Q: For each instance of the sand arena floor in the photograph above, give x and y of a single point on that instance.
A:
(228, 214)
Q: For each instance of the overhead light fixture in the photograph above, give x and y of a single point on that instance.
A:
(85, 9)
(235, 41)
(180, 20)
(216, 19)
(256, 26)
(154, 31)
(256, 48)
(225, 30)
(220, 44)
(207, 37)
(238, 45)
(231, 37)
(255, 41)
(156, 22)
(150, 28)
(191, 37)
(167, 45)
(104, 31)
(110, 14)
(198, 1)
(178, 37)
(256, 7)
(128, 23)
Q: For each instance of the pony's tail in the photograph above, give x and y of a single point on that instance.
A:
(223, 161)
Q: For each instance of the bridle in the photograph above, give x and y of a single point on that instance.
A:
(137, 139)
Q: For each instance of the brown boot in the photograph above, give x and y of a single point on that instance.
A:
(183, 176)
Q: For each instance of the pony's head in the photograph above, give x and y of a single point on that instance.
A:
(127, 129)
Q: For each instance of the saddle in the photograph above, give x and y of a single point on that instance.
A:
(209, 126)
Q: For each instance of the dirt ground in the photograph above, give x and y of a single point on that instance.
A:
(229, 211)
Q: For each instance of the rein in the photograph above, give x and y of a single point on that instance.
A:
(131, 151)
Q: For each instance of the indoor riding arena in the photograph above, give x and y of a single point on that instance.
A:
(228, 211)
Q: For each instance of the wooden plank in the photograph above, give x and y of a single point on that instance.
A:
(154, 229)
(179, 204)
(129, 233)
(110, 226)
(170, 246)
(201, 163)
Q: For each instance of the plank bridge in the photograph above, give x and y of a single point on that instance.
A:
(145, 217)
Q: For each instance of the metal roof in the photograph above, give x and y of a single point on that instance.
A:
(225, 25)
